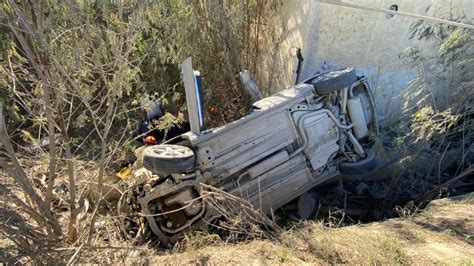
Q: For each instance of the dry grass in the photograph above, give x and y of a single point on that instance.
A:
(424, 238)
(441, 234)
(355, 244)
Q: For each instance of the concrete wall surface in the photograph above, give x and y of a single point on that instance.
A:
(334, 37)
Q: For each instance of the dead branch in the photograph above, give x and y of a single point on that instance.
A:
(42, 72)
(241, 219)
(18, 174)
(430, 195)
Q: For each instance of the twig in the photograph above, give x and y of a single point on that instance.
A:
(73, 258)
(84, 246)
(430, 194)
(439, 163)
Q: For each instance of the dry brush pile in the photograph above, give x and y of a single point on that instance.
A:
(72, 76)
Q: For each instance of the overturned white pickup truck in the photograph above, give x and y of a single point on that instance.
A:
(290, 142)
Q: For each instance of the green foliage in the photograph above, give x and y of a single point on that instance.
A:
(169, 120)
(428, 123)
(456, 40)
(98, 55)
(440, 78)
(438, 103)
(223, 39)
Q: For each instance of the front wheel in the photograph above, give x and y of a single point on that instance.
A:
(168, 159)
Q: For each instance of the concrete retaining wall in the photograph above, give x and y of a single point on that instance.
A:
(334, 37)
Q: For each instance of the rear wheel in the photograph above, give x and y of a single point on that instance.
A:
(334, 80)
(168, 159)
(362, 167)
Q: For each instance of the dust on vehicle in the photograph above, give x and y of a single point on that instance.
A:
(290, 143)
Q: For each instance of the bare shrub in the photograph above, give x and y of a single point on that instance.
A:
(435, 129)
(72, 76)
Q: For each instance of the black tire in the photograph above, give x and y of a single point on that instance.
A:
(334, 80)
(168, 159)
(361, 167)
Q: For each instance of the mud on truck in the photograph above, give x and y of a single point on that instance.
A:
(290, 143)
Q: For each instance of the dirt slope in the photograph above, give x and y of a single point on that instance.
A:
(443, 233)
